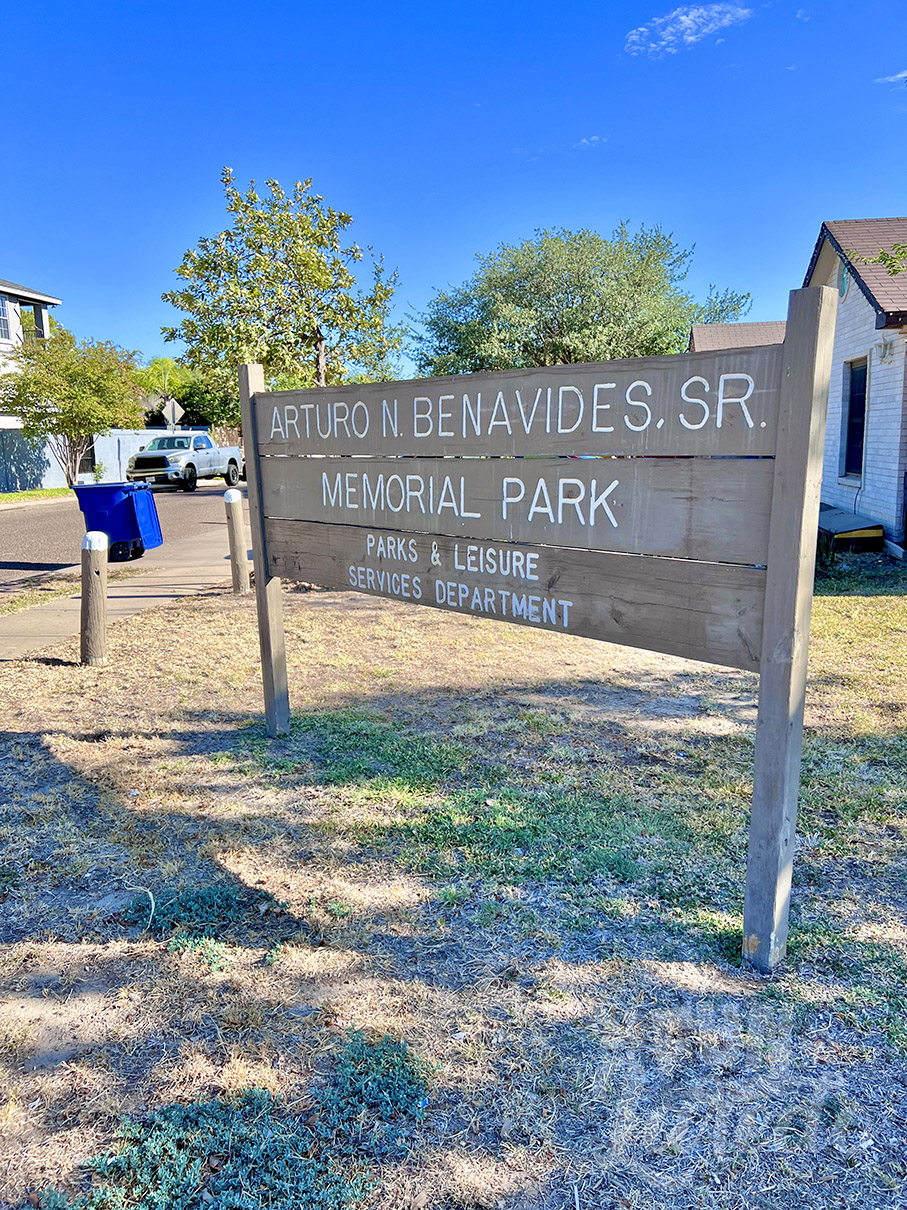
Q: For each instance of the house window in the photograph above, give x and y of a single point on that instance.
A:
(87, 461)
(4, 319)
(854, 417)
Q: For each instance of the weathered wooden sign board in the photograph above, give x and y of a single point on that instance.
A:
(667, 503)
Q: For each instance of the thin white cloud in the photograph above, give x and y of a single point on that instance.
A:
(683, 28)
(902, 75)
(594, 140)
(802, 14)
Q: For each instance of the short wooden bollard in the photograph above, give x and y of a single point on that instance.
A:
(94, 599)
(239, 558)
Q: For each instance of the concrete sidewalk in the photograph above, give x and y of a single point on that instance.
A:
(177, 569)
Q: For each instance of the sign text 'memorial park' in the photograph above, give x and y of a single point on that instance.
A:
(667, 503)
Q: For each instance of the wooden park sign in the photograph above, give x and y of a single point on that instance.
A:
(668, 503)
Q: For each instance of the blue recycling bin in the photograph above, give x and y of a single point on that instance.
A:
(125, 512)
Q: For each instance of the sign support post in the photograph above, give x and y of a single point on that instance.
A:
(785, 634)
(267, 587)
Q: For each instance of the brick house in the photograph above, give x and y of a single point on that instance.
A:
(866, 436)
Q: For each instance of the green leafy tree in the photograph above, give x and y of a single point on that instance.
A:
(894, 258)
(210, 402)
(68, 392)
(565, 297)
(163, 379)
(278, 287)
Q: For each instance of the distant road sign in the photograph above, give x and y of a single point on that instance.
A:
(172, 412)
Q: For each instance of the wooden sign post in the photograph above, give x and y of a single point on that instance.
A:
(667, 503)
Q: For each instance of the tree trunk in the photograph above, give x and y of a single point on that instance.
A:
(321, 361)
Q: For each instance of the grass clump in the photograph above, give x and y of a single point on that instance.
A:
(377, 1086)
(242, 1154)
(356, 746)
(195, 920)
(249, 1153)
(201, 911)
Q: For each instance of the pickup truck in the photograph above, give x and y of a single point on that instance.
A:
(181, 459)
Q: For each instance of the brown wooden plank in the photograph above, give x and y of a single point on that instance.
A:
(788, 600)
(712, 509)
(537, 411)
(268, 601)
(703, 611)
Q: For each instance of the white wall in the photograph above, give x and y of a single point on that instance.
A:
(114, 451)
(879, 492)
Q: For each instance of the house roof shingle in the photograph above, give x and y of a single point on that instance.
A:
(23, 294)
(859, 238)
(708, 338)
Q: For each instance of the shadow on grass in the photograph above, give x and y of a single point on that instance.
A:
(542, 834)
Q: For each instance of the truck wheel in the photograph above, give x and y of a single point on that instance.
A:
(232, 476)
(190, 479)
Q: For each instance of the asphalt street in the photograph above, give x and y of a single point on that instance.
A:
(38, 538)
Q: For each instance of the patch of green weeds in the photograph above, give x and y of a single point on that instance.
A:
(460, 817)
(200, 911)
(519, 834)
(250, 1153)
(195, 919)
(721, 933)
(865, 982)
(274, 954)
(860, 574)
(356, 746)
(206, 949)
(9, 880)
(488, 913)
(379, 1079)
(453, 896)
(541, 723)
(339, 909)
(34, 493)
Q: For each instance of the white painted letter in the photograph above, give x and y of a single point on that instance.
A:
(507, 498)
(327, 496)
(722, 398)
(541, 502)
(388, 421)
(442, 416)
(638, 403)
(560, 409)
(597, 407)
(601, 501)
(706, 410)
(500, 406)
(426, 416)
(573, 501)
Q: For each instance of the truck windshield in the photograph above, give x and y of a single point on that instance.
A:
(168, 443)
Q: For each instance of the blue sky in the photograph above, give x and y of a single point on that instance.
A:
(443, 129)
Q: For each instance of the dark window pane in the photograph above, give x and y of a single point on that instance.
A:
(856, 420)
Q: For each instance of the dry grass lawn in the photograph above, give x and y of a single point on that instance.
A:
(521, 854)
